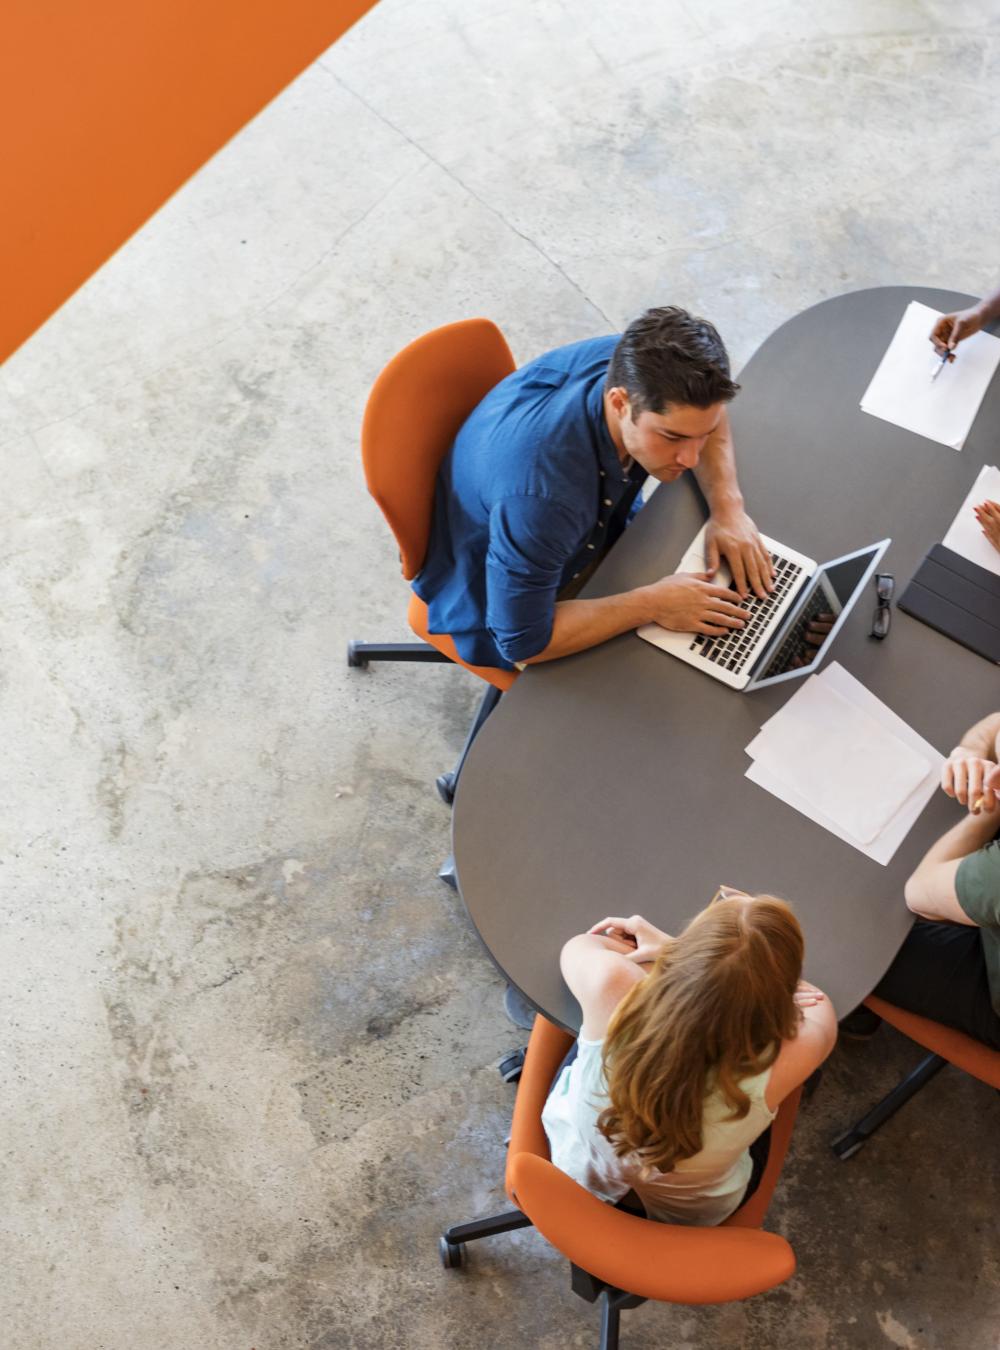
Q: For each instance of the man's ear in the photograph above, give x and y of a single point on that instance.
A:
(618, 398)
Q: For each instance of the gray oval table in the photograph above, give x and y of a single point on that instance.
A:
(612, 782)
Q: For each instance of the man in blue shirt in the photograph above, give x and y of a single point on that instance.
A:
(541, 480)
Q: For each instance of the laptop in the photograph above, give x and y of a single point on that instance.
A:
(958, 598)
(772, 646)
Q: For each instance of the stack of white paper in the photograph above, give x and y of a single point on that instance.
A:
(837, 754)
(904, 391)
(966, 535)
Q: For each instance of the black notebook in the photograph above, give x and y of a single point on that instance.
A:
(958, 598)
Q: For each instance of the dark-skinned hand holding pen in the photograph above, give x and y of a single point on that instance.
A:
(951, 329)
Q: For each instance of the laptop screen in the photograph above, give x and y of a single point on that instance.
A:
(818, 615)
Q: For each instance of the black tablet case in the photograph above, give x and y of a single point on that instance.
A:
(958, 598)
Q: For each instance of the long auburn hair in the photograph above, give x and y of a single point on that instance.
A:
(714, 1009)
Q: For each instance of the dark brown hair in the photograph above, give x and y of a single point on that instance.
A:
(668, 356)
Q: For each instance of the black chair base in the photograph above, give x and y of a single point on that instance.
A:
(451, 1244)
(613, 1301)
(451, 1249)
(848, 1144)
(360, 653)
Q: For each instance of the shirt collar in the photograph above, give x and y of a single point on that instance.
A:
(607, 451)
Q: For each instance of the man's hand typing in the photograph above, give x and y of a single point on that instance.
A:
(733, 535)
(689, 602)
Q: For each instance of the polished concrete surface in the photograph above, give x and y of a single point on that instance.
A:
(249, 1040)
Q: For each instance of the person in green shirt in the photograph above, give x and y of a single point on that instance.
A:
(948, 969)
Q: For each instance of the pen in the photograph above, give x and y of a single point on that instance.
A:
(941, 365)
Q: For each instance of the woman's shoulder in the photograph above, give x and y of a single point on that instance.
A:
(799, 1057)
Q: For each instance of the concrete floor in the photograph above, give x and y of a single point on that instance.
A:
(249, 1039)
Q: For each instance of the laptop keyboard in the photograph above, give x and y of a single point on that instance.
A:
(733, 651)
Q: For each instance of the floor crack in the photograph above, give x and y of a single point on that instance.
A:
(488, 206)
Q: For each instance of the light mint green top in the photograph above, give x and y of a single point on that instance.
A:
(704, 1189)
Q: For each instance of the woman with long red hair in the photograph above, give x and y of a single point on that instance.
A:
(687, 1048)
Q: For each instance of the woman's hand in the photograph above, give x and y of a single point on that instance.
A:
(807, 995)
(637, 932)
(988, 516)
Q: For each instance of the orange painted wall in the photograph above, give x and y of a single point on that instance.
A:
(108, 106)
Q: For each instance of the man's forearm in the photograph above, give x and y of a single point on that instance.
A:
(932, 891)
(970, 834)
(982, 739)
(579, 624)
(716, 470)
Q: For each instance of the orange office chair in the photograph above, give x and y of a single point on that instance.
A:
(946, 1045)
(413, 414)
(617, 1257)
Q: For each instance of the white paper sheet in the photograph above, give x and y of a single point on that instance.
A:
(965, 536)
(840, 759)
(903, 392)
(884, 846)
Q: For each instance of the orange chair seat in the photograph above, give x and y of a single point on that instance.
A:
(963, 1051)
(417, 617)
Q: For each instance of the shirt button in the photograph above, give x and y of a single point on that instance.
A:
(590, 546)
(603, 475)
(575, 575)
(608, 501)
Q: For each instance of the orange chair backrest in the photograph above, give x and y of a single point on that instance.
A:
(414, 412)
(655, 1260)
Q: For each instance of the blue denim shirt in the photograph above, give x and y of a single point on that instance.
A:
(530, 493)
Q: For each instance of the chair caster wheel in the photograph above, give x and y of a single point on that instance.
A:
(446, 788)
(511, 1065)
(452, 1253)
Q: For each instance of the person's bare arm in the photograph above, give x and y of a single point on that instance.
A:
(687, 602)
(981, 739)
(989, 307)
(951, 329)
(599, 975)
(644, 941)
(930, 891)
(731, 533)
(799, 1057)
